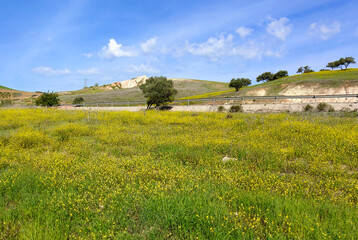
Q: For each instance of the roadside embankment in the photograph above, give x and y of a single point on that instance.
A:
(293, 107)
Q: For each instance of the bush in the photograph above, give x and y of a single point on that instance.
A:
(324, 107)
(235, 108)
(78, 100)
(308, 108)
(164, 108)
(5, 102)
(221, 109)
(229, 115)
(48, 99)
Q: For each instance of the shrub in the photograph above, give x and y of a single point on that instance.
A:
(229, 115)
(5, 102)
(324, 107)
(48, 99)
(235, 108)
(221, 109)
(164, 108)
(308, 108)
(78, 100)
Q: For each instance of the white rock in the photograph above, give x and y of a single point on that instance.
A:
(134, 82)
(227, 159)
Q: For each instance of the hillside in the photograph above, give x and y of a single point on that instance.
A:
(185, 87)
(8, 93)
(316, 83)
(5, 88)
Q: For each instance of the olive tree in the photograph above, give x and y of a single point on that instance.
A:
(158, 91)
(238, 83)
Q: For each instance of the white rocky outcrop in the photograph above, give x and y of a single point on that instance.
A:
(134, 82)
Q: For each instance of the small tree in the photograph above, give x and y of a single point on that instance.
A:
(265, 77)
(333, 65)
(342, 62)
(346, 61)
(78, 100)
(300, 70)
(307, 69)
(158, 91)
(280, 74)
(48, 99)
(238, 83)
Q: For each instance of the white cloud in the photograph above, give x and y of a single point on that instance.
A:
(252, 49)
(212, 48)
(216, 47)
(279, 28)
(324, 31)
(249, 51)
(114, 50)
(88, 55)
(244, 31)
(47, 71)
(142, 68)
(149, 45)
(89, 71)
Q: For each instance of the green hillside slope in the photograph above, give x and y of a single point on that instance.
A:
(325, 82)
(5, 88)
(185, 87)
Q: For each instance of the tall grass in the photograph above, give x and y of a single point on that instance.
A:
(160, 175)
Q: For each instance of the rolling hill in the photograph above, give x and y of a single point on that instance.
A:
(185, 87)
(316, 83)
(8, 93)
(5, 88)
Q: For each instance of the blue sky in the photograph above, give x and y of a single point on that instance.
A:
(55, 45)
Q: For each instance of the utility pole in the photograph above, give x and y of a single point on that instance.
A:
(85, 82)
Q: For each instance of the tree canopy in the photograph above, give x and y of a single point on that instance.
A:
(280, 74)
(268, 76)
(158, 91)
(342, 62)
(48, 99)
(238, 83)
(265, 77)
(305, 69)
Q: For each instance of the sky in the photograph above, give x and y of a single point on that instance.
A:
(53, 45)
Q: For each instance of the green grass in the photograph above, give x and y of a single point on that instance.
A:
(160, 175)
(186, 88)
(207, 95)
(6, 88)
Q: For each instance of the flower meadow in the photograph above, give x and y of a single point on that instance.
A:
(159, 175)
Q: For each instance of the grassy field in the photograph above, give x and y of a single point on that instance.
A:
(186, 87)
(156, 175)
